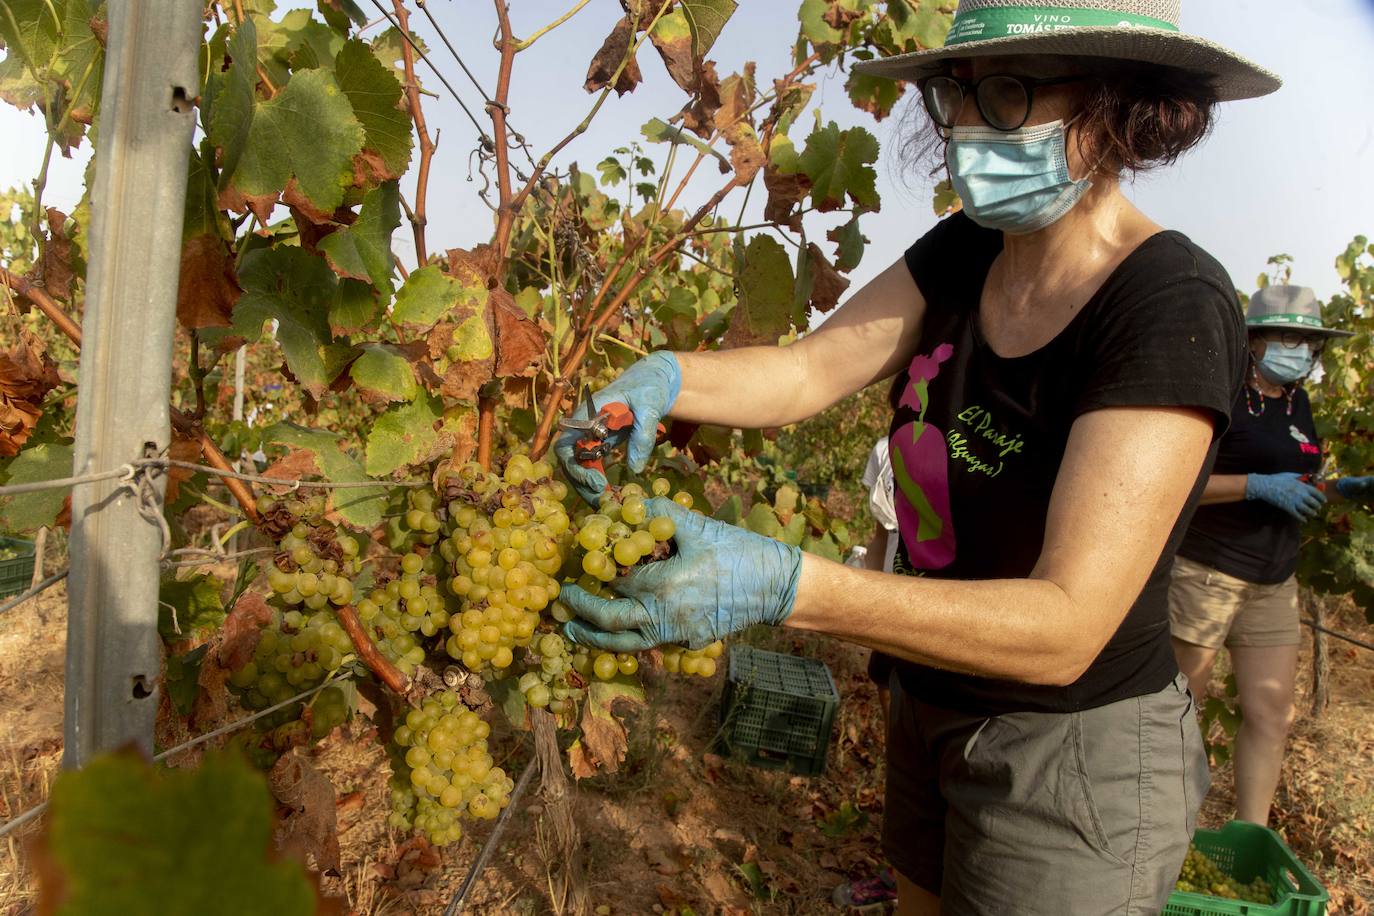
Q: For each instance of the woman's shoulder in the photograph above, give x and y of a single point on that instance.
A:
(1168, 259)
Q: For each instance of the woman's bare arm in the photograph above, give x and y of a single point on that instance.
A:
(1224, 488)
(1126, 476)
(871, 336)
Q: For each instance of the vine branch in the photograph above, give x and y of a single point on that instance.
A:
(371, 656)
(427, 145)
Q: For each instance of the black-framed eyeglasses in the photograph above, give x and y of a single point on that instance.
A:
(1003, 100)
(1291, 340)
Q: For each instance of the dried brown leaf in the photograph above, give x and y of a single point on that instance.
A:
(27, 374)
(207, 288)
(608, 59)
(310, 828)
(827, 284)
(519, 341)
(260, 205)
(53, 270)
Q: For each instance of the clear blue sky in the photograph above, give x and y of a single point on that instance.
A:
(1290, 173)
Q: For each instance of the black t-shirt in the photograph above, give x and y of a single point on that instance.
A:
(1253, 540)
(977, 439)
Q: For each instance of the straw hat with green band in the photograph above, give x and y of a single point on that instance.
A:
(1289, 308)
(1143, 31)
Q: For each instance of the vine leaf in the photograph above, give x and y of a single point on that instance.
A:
(356, 306)
(608, 59)
(27, 374)
(404, 435)
(362, 251)
(706, 19)
(310, 828)
(826, 283)
(876, 95)
(849, 245)
(188, 607)
(360, 507)
(231, 111)
(54, 60)
(296, 289)
(55, 269)
(118, 836)
(44, 461)
(374, 92)
(429, 295)
(307, 131)
(946, 199)
(604, 742)
(471, 341)
(672, 38)
(839, 163)
(918, 24)
(657, 130)
(206, 287)
(383, 373)
(765, 282)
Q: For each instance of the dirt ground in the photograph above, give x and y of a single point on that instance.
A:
(678, 830)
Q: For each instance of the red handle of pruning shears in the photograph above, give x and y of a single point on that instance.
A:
(591, 450)
(1314, 480)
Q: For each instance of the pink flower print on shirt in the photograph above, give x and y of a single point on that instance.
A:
(920, 471)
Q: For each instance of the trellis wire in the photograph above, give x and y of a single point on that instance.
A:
(131, 470)
(34, 591)
(21, 819)
(1350, 639)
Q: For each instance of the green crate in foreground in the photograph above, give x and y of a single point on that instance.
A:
(776, 710)
(16, 572)
(1247, 851)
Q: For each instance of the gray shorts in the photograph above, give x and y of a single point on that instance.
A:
(1042, 813)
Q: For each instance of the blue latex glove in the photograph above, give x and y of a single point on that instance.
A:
(649, 387)
(721, 580)
(1287, 492)
(1355, 487)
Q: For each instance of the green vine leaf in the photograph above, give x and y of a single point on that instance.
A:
(307, 132)
(384, 372)
(706, 19)
(199, 840)
(471, 341)
(429, 295)
(231, 114)
(31, 511)
(360, 507)
(189, 606)
(362, 251)
(766, 287)
(53, 60)
(839, 163)
(374, 92)
(296, 289)
(404, 435)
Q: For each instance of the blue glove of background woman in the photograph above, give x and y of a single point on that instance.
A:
(1286, 491)
(721, 580)
(1355, 487)
(649, 387)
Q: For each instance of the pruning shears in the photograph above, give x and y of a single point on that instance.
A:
(602, 430)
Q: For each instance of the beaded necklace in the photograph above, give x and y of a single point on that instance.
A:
(1256, 407)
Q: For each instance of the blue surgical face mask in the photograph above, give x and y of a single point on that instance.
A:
(1016, 181)
(1283, 366)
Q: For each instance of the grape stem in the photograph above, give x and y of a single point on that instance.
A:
(367, 650)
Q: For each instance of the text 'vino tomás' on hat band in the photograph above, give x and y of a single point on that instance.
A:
(1006, 21)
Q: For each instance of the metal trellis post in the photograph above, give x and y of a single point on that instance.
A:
(146, 121)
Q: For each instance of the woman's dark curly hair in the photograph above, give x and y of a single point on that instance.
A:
(1133, 117)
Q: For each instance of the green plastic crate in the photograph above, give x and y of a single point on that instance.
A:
(777, 710)
(1245, 852)
(15, 574)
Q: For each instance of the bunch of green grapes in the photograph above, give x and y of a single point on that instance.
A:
(328, 711)
(603, 378)
(505, 546)
(401, 613)
(618, 534)
(294, 653)
(443, 771)
(1200, 875)
(552, 680)
(701, 662)
(594, 663)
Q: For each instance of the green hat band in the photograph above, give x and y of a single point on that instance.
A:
(1307, 320)
(1007, 21)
